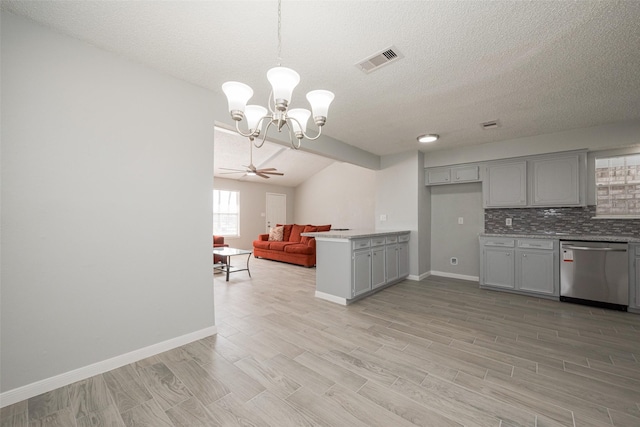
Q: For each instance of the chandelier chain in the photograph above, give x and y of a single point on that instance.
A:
(279, 32)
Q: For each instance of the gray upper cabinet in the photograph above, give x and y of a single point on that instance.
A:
(452, 175)
(505, 185)
(555, 181)
(438, 176)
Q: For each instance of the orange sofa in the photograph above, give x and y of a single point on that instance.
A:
(293, 248)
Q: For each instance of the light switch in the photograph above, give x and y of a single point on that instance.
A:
(383, 217)
(460, 220)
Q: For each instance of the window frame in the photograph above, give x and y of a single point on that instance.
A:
(232, 212)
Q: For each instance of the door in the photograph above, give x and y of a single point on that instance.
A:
(276, 210)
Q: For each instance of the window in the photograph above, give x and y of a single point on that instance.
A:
(226, 213)
(618, 186)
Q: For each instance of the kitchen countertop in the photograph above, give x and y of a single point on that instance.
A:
(562, 236)
(352, 234)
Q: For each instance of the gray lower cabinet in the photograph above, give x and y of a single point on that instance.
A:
(634, 277)
(347, 269)
(521, 265)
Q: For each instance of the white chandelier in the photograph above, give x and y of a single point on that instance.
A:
(283, 80)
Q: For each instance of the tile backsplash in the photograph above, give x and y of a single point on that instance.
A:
(558, 220)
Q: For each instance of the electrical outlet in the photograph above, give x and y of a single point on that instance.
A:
(453, 261)
(383, 217)
(509, 222)
(460, 220)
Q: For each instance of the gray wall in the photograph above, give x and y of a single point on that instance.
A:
(253, 203)
(106, 205)
(450, 239)
(398, 184)
(342, 195)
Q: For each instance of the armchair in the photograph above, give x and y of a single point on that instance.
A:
(218, 242)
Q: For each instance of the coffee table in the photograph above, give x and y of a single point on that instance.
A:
(226, 253)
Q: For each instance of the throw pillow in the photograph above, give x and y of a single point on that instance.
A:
(275, 234)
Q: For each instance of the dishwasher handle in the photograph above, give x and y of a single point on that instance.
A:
(588, 248)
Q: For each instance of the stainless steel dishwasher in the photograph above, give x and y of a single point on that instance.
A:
(594, 273)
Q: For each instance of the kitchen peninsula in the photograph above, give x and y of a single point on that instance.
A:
(352, 264)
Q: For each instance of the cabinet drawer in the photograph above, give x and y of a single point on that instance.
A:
(403, 238)
(506, 243)
(377, 241)
(392, 239)
(361, 243)
(535, 244)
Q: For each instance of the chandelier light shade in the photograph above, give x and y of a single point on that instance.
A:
(301, 118)
(283, 81)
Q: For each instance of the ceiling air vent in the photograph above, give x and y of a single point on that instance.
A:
(490, 125)
(380, 59)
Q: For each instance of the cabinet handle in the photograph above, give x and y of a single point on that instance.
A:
(508, 254)
(524, 255)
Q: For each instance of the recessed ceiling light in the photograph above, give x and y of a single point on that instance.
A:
(430, 137)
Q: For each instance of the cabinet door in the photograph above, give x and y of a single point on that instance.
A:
(534, 271)
(391, 262)
(505, 185)
(361, 272)
(465, 174)
(637, 275)
(403, 260)
(498, 266)
(377, 267)
(438, 176)
(555, 182)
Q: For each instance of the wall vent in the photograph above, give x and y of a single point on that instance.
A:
(380, 59)
(494, 124)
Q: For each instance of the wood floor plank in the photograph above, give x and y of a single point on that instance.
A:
(331, 371)
(406, 408)
(88, 396)
(202, 385)
(166, 389)
(436, 352)
(278, 383)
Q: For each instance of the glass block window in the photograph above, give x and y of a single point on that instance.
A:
(618, 186)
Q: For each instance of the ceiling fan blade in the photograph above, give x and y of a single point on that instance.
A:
(230, 173)
(261, 175)
(262, 171)
(230, 169)
(268, 169)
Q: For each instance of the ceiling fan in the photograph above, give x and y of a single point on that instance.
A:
(251, 170)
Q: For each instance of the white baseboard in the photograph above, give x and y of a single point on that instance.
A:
(454, 276)
(30, 390)
(420, 277)
(331, 298)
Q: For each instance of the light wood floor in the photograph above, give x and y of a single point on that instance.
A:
(439, 352)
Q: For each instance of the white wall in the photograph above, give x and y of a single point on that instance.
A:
(253, 203)
(604, 137)
(450, 239)
(342, 195)
(106, 206)
(424, 221)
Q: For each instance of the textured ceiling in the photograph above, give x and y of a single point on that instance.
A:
(537, 66)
